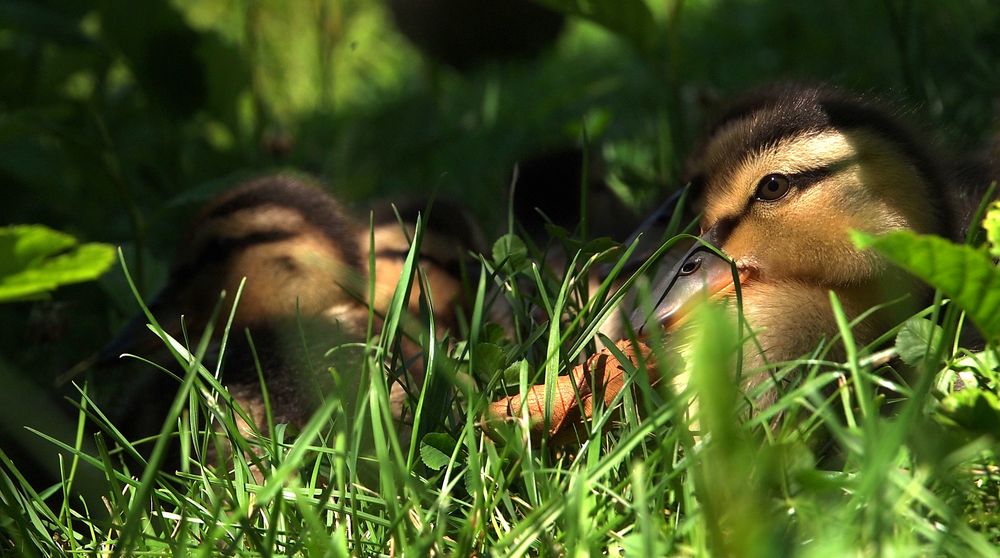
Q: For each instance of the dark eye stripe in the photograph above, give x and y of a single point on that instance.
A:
(451, 266)
(724, 226)
(808, 178)
(219, 249)
(296, 194)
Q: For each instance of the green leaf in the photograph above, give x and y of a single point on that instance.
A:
(510, 251)
(917, 338)
(992, 225)
(964, 274)
(493, 333)
(555, 231)
(35, 259)
(436, 449)
(511, 376)
(975, 410)
(586, 248)
(487, 358)
(629, 19)
(976, 361)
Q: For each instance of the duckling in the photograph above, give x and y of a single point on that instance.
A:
(296, 246)
(450, 234)
(305, 262)
(293, 241)
(783, 176)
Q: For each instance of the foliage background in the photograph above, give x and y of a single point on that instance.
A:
(117, 118)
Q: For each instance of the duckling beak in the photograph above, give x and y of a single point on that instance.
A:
(700, 275)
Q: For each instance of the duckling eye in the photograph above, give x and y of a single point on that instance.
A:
(772, 187)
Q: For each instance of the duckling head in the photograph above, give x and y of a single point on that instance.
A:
(288, 237)
(290, 240)
(783, 177)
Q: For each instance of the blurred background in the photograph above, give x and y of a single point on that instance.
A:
(119, 118)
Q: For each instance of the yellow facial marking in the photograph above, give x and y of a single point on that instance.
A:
(839, 181)
(793, 155)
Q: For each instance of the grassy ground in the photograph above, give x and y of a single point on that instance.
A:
(835, 474)
(96, 140)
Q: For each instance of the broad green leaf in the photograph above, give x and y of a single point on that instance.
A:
(629, 19)
(973, 409)
(992, 225)
(963, 273)
(917, 338)
(510, 251)
(35, 259)
(436, 449)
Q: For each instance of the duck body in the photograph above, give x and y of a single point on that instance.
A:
(783, 177)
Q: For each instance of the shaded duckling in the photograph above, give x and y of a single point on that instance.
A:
(783, 177)
(294, 244)
(449, 236)
(306, 288)
(289, 238)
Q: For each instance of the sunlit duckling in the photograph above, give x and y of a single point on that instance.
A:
(783, 177)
